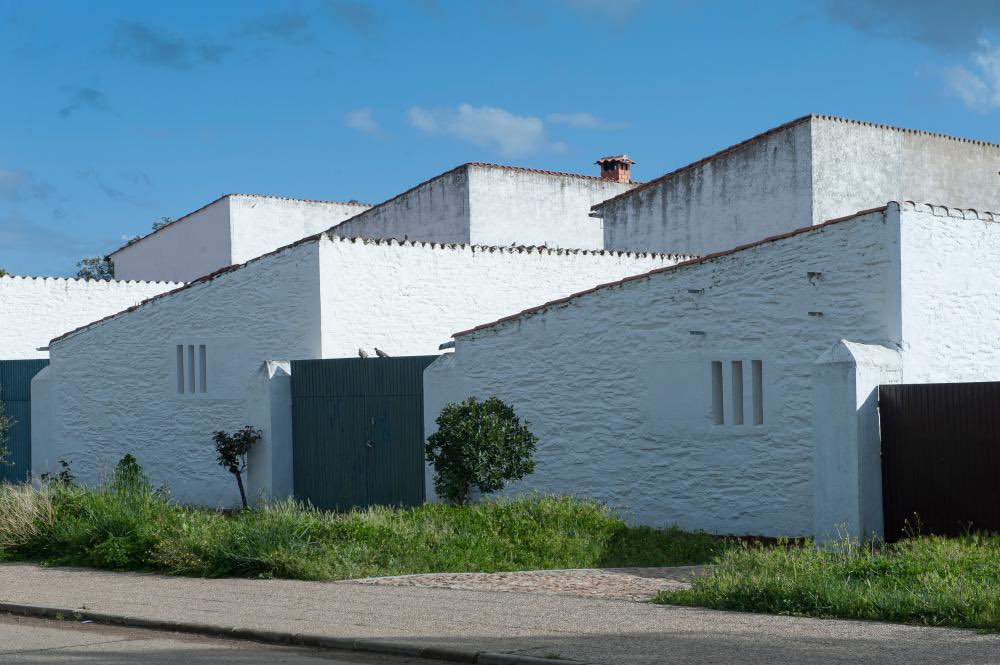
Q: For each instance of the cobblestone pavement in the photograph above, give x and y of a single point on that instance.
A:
(636, 584)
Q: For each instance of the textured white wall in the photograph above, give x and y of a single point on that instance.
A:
(516, 206)
(755, 191)
(858, 166)
(234, 229)
(261, 224)
(408, 298)
(951, 295)
(485, 204)
(33, 310)
(191, 247)
(434, 211)
(618, 389)
(115, 383)
(819, 169)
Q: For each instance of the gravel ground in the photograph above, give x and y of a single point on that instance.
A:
(635, 584)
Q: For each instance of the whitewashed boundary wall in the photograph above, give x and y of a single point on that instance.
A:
(33, 310)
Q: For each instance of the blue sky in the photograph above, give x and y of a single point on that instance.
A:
(115, 114)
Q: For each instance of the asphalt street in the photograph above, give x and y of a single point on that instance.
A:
(25, 641)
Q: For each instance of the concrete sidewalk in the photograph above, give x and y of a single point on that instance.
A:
(585, 629)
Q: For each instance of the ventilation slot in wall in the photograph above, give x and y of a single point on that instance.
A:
(757, 372)
(718, 412)
(737, 376)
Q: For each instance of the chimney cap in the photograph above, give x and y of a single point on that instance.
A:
(615, 158)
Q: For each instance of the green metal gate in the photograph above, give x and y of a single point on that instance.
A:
(15, 393)
(358, 432)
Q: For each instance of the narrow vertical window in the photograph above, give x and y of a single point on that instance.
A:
(737, 376)
(757, 370)
(180, 368)
(717, 410)
(202, 369)
(190, 368)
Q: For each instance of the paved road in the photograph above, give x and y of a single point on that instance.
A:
(26, 641)
(586, 629)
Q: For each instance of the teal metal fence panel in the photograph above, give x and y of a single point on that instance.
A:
(358, 431)
(15, 393)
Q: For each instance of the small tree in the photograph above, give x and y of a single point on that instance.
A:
(94, 267)
(479, 444)
(3, 273)
(5, 424)
(232, 452)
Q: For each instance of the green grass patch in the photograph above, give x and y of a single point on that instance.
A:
(127, 525)
(926, 580)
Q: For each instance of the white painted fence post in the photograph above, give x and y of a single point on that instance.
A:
(847, 465)
(269, 408)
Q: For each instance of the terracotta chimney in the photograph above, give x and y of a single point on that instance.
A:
(616, 168)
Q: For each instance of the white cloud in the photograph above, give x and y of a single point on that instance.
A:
(978, 86)
(513, 135)
(583, 120)
(362, 120)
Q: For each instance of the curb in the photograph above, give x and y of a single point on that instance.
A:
(294, 639)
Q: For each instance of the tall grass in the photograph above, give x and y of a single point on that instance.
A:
(925, 580)
(127, 525)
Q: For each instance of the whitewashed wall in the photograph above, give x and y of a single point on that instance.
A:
(951, 294)
(523, 207)
(617, 383)
(114, 386)
(191, 247)
(756, 190)
(261, 224)
(486, 204)
(815, 169)
(33, 310)
(858, 165)
(408, 298)
(434, 211)
(230, 230)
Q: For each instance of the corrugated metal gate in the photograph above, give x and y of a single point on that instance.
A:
(358, 432)
(15, 393)
(940, 457)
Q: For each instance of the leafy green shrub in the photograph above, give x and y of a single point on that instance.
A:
(232, 450)
(478, 444)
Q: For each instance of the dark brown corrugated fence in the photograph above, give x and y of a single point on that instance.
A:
(940, 457)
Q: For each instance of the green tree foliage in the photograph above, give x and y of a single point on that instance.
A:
(164, 221)
(3, 272)
(231, 451)
(480, 444)
(94, 267)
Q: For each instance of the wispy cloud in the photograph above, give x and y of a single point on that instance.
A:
(362, 120)
(291, 28)
(150, 45)
(83, 98)
(978, 85)
(355, 15)
(18, 185)
(948, 26)
(583, 120)
(513, 135)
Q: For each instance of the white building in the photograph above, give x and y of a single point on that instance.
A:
(804, 172)
(734, 393)
(33, 310)
(157, 380)
(230, 230)
(489, 204)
